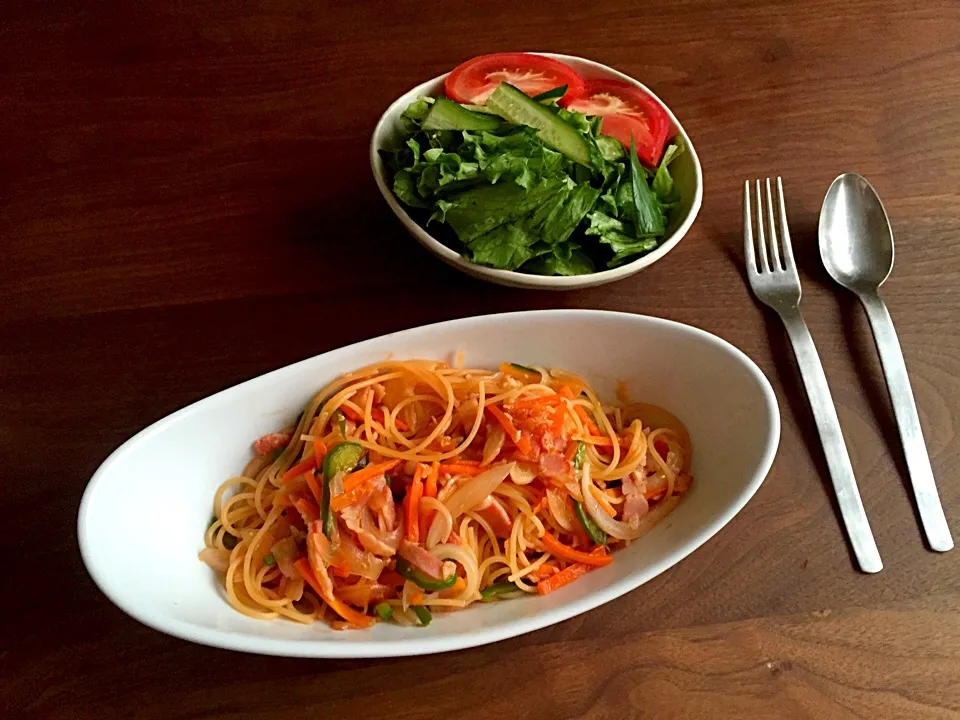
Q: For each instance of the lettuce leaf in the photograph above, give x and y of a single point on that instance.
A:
(662, 180)
(506, 247)
(557, 262)
(479, 210)
(516, 204)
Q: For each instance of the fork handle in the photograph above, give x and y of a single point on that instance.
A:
(828, 427)
(932, 519)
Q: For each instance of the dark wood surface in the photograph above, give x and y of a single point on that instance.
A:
(185, 202)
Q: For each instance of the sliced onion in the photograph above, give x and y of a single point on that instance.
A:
(292, 588)
(362, 594)
(216, 558)
(336, 485)
(560, 509)
(285, 553)
(523, 473)
(442, 524)
(494, 444)
(473, 492)
(447, 491)
(357, 561)
(630, 530)
(361, 521)
(318, 549)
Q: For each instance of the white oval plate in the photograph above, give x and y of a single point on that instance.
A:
(143, 515)
(685, 170)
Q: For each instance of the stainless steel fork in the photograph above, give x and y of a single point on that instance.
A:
(774, 280)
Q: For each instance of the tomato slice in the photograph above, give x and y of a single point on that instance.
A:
(474, 81)
(626, 109)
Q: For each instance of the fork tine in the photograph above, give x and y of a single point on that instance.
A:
(761, 237)
(788, 262)
(774, 245)
(749, 252)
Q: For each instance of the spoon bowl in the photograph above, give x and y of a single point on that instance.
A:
(856, 242)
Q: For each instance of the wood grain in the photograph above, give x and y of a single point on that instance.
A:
(185, 193)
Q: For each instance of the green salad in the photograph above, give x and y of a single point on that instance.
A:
(522, 184)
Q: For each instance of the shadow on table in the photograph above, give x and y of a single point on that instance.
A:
(377, 257)
(804, 238)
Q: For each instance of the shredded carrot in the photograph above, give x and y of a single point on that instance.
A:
(320, 450)
(300, 468)
(416, 598)
(564, 577)
(308, 511)
(546, 570)
(559, 419)
(601, 498)
(581, 413)
(587, 420)
(351, 414)
(361, 477)
(378, 414)
(460, 469)
(346, 499)
(413, 506)
(518, 438)
(314, 487)
(457, 461)
(430, 489)
(557, 548)
(571, 451)
(342, 609)
(537, 402)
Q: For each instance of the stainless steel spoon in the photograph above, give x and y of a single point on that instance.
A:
(856, 246)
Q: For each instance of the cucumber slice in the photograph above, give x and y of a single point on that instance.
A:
(448, 115)
(551, 95)
(482, 109)
(517, 108)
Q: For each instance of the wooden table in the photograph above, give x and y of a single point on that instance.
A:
(186, 203)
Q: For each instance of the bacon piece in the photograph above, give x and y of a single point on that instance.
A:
(271, 442)
(494, 513)
(423, 560)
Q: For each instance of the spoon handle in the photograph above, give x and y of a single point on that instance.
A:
(834, 449)
(908, 422)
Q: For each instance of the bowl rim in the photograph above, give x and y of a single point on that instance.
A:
(512, 277)
(380, 648)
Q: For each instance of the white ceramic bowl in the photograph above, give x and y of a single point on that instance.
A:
(144, 513)
(685, 170)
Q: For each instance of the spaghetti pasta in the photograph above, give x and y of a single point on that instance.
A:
(412, 485)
